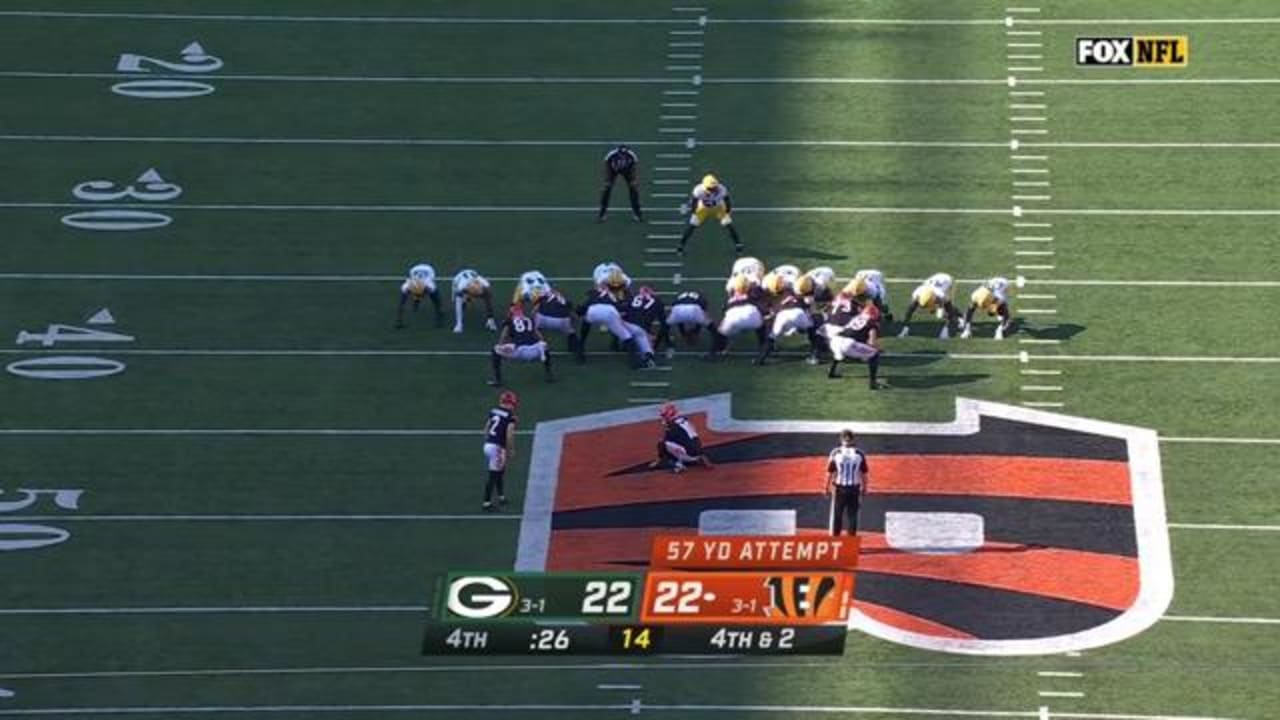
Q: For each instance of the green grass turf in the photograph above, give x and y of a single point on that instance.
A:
(1182, 668)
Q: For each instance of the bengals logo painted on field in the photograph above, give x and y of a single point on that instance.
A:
(1006, 531)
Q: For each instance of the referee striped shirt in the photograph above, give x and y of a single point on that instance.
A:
(849, 465)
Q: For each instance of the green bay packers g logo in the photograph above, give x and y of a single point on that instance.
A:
(478, 597)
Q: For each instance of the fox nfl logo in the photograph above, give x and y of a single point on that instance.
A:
(1138, 51)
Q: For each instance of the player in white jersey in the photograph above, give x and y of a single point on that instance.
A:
(750, 268)
(612, 275)
(470, 285)
(993, 298)
(420, 282)
(932, 295)
(709, 199)
(818, 286)
(789, 312)
(868, 286)
(531, 285)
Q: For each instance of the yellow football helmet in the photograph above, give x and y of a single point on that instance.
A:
(740, 284)
(417, 286)
(927, 298)
(983, 298)
(774, 283)
(710, 182)
(804, 285)
(856, 287)
(615, 279)
(475, 288)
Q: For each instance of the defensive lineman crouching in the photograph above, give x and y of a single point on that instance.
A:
(854, 334)
(519, 341)
(604, 305)
(421, 281)
(680, 445)
(993, 298)
(932, 295)
(470, 285)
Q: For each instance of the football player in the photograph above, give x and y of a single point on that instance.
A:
(680, 444)
(521, 341)
(709, 198)
(853, 333)
(621, 161)
(646, 318)
(551, 310)
(499, 445)
(688, 314)
(791, 313)
(421, 281)
(816, 285)
(933, 295)
(470, 285)
(604, 305)
(868, 286)
(741, 313)
(748, 267)
(993, 298)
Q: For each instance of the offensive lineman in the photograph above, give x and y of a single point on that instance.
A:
(741, 313)
(521, 341)
(551, 310)
(933, 295)
(421, 281)
(470, 285)
(709, 198)
(791, 313)
(641, 315)
(680, 444)
(993, 298)
(621, 161)
(688, 314)
(854, 334)
(604, 305)
(499, 445)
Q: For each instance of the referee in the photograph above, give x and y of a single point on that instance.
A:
(847, 476)
(621, 161)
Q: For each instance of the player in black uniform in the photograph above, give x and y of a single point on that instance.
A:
(519, 340)
(605, 306)
(621, 161)
(553, 310)
(791, 313)
(853, 333)
(646, 314)
(688, 314)
(744, 310)
(680, 444)
(499, 445)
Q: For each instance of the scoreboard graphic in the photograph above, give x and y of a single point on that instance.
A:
(738, 595)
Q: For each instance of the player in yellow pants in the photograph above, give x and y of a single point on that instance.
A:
(709, 199)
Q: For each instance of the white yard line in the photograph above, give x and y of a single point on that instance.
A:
(1223, 620)
(286, 278)
(1224, 527)
(547, 710)
(871, 210)
(550, 142)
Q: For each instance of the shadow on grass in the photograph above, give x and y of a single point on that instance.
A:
(927, 382)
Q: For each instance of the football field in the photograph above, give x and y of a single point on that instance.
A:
(230, 483)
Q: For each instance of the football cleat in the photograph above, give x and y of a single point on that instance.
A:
(967, 332)
(490, 324)
(944, 333)
(1000, 332)
(904, 332)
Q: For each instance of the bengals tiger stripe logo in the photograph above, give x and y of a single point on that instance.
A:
(799, 596)
(1006, 531)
